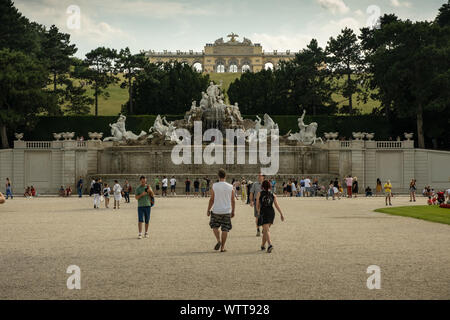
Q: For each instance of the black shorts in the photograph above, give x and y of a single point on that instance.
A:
(157, 187)
(222, 221)
(188, 189)
(164, 188)
(172, 188)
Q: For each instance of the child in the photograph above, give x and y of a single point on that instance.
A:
(368, 192)
(106, 192)
(330, 192)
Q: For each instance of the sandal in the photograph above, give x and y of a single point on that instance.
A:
(223, 250)
(217, 247)
(269, 249)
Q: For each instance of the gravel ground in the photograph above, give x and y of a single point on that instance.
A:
(322, 251)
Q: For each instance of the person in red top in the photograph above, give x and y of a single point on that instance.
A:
(33, 191)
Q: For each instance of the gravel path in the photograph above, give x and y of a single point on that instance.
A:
(322, 251)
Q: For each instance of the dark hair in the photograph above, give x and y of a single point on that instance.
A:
(142, 177)
(222, 174)
(266, 185)
(116, 181)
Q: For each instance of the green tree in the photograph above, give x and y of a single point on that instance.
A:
(78, 103)
(58, 52)
(409, 63)
(167, 88)
(22, 80)
(443, 17)
(307, 81)
(99, 72)
(130, 65)
(345, 61)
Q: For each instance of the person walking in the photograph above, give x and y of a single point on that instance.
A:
(117, 191)
(96, 190)
(256, 188)
(355, 187)
(8, 189)
(196, 187)
(378, 188)
(203, 187)
(157, 183)
(221, 208)
(412, 190)
(388, 192)
(80, 187)
(91, 189)
(145, 197)
(126, 191)
(187, 184)
(244, 191)
(264, 205)
(349, 184)
(173, 185)
(165, 184)
(106, 193)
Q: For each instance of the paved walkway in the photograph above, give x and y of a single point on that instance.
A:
(322, 251)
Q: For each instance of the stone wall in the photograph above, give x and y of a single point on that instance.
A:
(49, 164)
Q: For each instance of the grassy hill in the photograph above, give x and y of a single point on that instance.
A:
(112, 106)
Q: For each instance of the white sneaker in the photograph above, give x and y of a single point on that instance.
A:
(140, 236)
(146, 235)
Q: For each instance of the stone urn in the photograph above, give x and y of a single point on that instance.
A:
(327, 135)
(334, 135)
(358, 135)
(370, 136)
(409, 136)
(95, 135)
(19, 136)
(57, 136)
(68, 135)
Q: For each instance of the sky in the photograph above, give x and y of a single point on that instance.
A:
(190, 24)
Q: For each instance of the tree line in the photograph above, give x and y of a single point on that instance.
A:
(403, 64)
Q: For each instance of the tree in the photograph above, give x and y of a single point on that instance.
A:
(307, 80)
(167, 88)
(345, 61)
(443, 18)
(58, 52)
(410, 63)
(78, 103)
(130, 65)
(22, 80)
(99, 72)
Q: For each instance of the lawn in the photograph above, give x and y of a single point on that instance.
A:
(428, 213)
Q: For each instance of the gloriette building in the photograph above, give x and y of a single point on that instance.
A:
(226, 56)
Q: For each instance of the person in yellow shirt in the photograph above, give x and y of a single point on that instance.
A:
(388, 192)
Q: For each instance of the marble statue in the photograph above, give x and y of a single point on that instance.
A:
(119, 132)
(307, 134)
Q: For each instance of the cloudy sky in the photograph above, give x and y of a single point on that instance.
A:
(189, 24)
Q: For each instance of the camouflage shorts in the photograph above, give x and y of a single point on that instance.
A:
(222, 221)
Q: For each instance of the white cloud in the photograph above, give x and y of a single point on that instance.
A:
(281, 42)
(399, 4)
(335, 6)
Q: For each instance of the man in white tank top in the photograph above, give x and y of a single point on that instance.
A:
(222, 203)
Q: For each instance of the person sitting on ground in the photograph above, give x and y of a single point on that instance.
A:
(61, 191)
(368, 192)
(68, 191)
(33, 191)
(440, 197)
(27, 193)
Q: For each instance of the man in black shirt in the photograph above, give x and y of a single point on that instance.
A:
(196, 187)
(97, 189)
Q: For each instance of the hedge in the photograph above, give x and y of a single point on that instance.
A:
(345, 125)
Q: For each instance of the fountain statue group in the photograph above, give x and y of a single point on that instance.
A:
(214, 114)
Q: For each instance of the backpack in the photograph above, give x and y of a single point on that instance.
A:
(266, 199)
